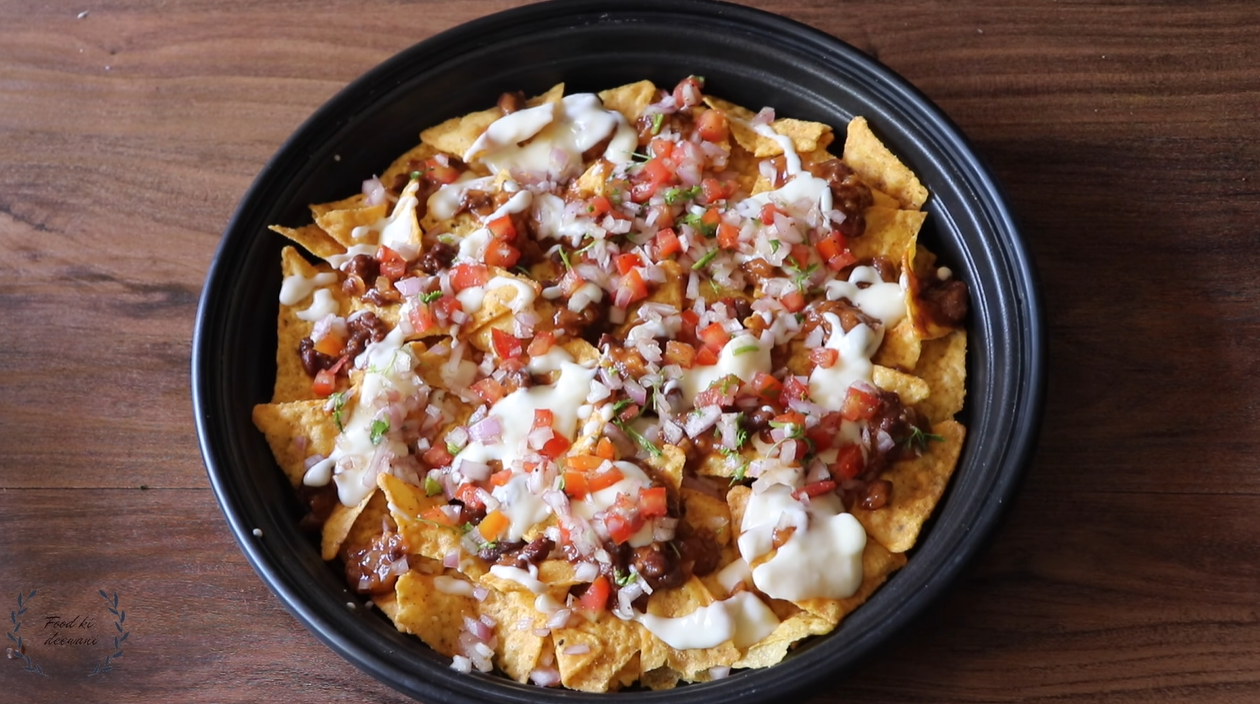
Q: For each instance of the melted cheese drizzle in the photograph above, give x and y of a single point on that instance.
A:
(297, 287)
(557, 134)
(390, 368)
(803, 188)
(879, 299)
(828, 387)
(743, 619)
(822, 558)
(602, 500)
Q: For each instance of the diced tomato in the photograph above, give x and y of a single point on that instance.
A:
(595, 598)
(653, 502)
(688, 92)
(662, 148)
(541, 344)
(446, 306)
(712, 126)
(555, 447)
(765, 386)
(849, 463)
(728, 236)
(706, 357)
(606, 449)
(605, 479)
(791, 417)
(629, 413)
(667, 243)
(597, 206)
(815, 489)
(721, 392)
(505, 345)
(325, 383)
(501, 254)
(438, 456)
(824, 357)
(632, 288)
(585, 463)
(793, 301)
(642, 190)
(393, 266)
(626, 262)
(437, 515)
(823, 435)
(469, 275)
(714, 190)
(620, 528)
(436, 172)
(422, 319)
(575, 484)
(711, 219)
(658, 173)
(835, 251)
(680, 353)
(793, 450)
(467, 494)
(793, 390)
(489, 390)
(860, 404)
(493, 525)
(331, 344)
(715, 337)
(690, 319)
(767, 213)
(543, 418)
(801, 255)
(571, 282)
(502, 228)
(664, 216)
(501, 477)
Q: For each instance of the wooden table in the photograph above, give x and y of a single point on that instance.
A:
(1125, 133)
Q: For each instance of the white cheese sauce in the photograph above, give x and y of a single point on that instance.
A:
(821, 559)
(742, 619)
(297, 287)
(828, 387)
(738, 357)
(879, 299)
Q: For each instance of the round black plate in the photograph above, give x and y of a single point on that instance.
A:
(750, 57)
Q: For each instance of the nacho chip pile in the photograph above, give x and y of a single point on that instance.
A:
(614, 390)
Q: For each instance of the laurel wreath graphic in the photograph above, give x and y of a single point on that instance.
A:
(23, 603)
(120, 616)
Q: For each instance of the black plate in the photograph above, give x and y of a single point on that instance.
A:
(747, 56)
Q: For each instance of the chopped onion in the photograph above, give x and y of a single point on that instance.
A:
(451, 559)
(473, 470)
(486, 431)
(545, 676)
(559, 619)
(580, 649)
(701, 420)
(374, 190)
(585, 572)
(459, 663)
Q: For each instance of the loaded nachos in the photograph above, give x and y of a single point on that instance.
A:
(621, 389)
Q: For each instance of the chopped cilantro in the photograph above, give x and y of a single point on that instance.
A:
(747, 348)
(564, 258)
(647, 445)
(675, 194)
(415, 175)
(379, 428)
(657, 120)
(451, 449)
(431, 296)
(739, 474)
(624, 579)
(704, 261)
(338, 406)
(636, 155)
(432, 487)
(918, 439)
(774, 246)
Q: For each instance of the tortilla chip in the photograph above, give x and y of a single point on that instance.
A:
(407, 164)
(668, 466)
(943, 367)
(519, 647)
(917, 487)
(806, 136)
(630, 99)
(900, 348)
(456, 135)
(889, 233)
(313, 239)
(675, 603)
(879, 167)
(283, 423)
(407, 504)
(910, 388)
(592, 656)
(432, 614)
(338, 526)
(373, 519)
(292, 381)
(340, 222)
(553, 95)
(707, 513)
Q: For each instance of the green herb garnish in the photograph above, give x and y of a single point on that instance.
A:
(657, 120)
(643, 442)
(624, 579)
(774, 246)
(675, 194)
(432, 487)
(338, 406)
(451, 449)
(379, 428)
(747, 348)
(431, 296)
(918, 439)
(704, 261)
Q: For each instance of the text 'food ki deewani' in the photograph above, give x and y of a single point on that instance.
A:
(626, 389)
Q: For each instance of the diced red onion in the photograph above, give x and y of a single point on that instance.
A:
(486, 431)
(701, 420)
(884, 441)
(663, 529)
(559, 619)
(451, 559)
(313, 459)
(480, 593)
(545, 676)
(473, 470)
(374, 190)
(764, 117)
(718, 672)
(728, 427)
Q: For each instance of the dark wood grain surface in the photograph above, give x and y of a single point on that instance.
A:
(1125, 133)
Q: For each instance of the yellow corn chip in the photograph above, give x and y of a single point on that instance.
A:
(338, 526)
(878, 166)
(630, 99)
(592, 656)
(313, 239)
(284, 423)
(911, 389)
(434, 615)
(917, 487)
(943, 367)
